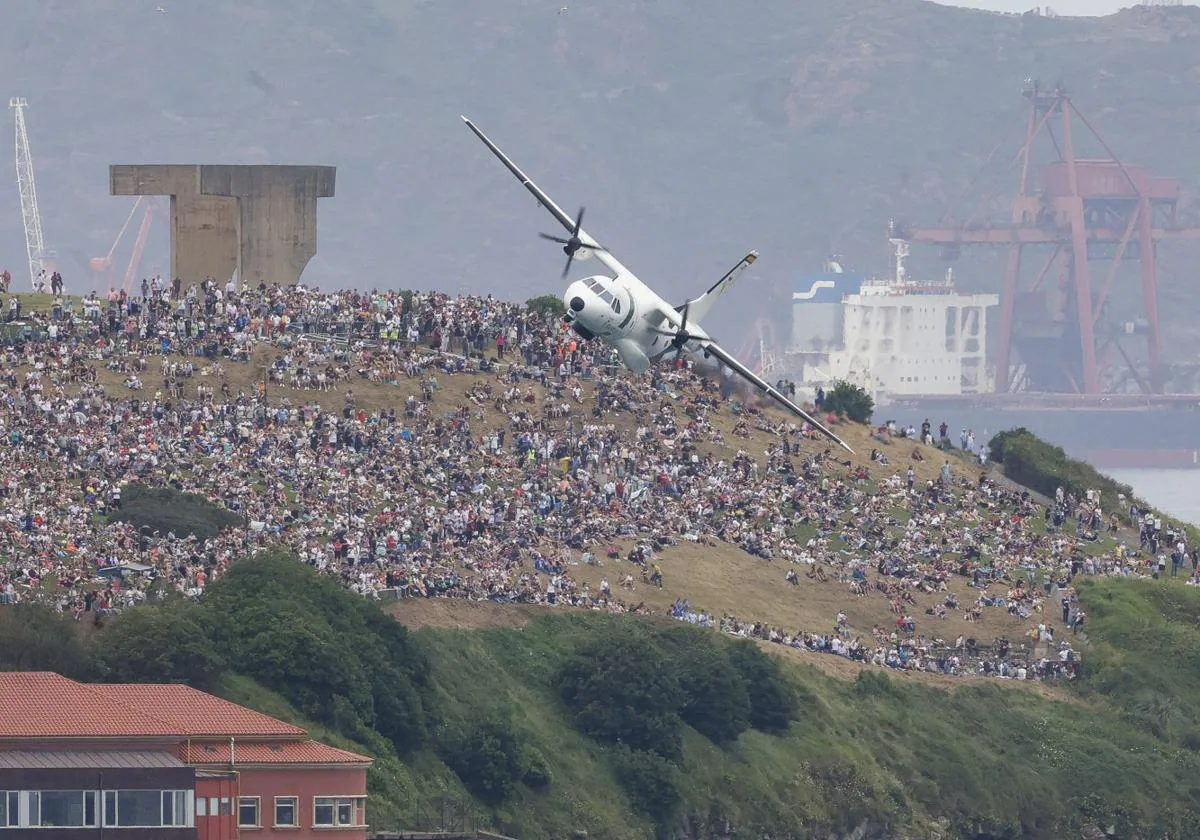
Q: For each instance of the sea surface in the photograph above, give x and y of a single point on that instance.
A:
(1176, 492)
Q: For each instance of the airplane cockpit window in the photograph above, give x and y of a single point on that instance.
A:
(616, 305)
(606, 296)
(596, 286)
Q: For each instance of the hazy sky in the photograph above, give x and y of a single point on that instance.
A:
(1063, 7)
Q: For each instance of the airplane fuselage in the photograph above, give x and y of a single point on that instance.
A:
(621, 311)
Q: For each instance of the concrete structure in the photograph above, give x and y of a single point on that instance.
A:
(257, 221)
(165, 762)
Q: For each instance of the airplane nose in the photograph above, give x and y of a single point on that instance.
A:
(577, 304)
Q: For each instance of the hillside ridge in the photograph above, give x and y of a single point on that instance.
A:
(818, 124)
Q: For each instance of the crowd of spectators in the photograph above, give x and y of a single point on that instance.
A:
(546, 458)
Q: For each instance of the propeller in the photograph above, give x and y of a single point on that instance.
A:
(679, 337)
(571, 245)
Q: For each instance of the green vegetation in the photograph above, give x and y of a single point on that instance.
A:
(547, 305)
(167, 510)
(627, 728)
(851, 400)
(1044, 467)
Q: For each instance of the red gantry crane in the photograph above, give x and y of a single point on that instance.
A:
(1085, 212)
(103, 271)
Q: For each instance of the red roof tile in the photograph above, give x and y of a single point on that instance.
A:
(195, 713)
(40, 704)
(273, 752)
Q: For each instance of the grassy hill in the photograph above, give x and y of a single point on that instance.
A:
(485, 718)
(798, 129)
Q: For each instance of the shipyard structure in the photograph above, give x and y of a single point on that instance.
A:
(1070, 348)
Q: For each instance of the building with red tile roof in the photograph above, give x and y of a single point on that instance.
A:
(175, 763)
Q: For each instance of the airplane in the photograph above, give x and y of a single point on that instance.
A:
(630, 316)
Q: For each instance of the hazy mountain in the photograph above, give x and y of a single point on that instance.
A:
(692, 131)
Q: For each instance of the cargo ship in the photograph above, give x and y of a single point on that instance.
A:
(920, 348)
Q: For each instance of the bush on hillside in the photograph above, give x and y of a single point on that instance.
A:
(486, 756)
(169, 643)
(773, 701)
(622, 690)
(715, 697)
(36, 638)
(547, 305)
(1043, 468)
(167, 510)
(851, 400)
(335, 656)
(650, 781)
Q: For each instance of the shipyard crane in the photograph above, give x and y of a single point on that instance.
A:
(39, 259)
(103, 273)
(1086, 211)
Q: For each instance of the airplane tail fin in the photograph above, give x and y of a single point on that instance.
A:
(701, 306)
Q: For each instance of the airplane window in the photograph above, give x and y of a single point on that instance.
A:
(616, 305)
(606, 297)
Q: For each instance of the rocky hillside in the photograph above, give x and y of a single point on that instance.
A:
(693, 131)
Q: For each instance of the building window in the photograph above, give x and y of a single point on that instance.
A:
(248, 812)
(285, 812)
(62, 808)
(9, 808)
(338, 811)
(147, 808)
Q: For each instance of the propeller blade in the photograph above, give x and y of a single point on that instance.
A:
(567, 267)
(557, 239)
(578, 223)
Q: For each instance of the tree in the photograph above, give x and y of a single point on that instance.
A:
(772, 700)
(547, 305)
(716, 700)
(622, 690)
(160, 644)
(486, 756)
(851, 400)
(34, 637)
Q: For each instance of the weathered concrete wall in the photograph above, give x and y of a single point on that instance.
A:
(278, 215)
(260, 221)
(204, 229)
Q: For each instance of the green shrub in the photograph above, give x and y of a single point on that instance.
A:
(536, 773)
(650, 781)
(167, 510)
(486, 756)
(312, 640)
(716, 699)
(772, 699)
(34, 637)
(171, 643)
(622, 690)
(547, 305)
(851, 400)
(1043, 468)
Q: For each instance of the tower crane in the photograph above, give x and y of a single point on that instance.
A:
(39, 259)
(103, 273)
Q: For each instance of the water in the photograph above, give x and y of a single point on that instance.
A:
(1175, 492)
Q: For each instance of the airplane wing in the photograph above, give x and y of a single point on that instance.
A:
(737, 367)
(607, 259)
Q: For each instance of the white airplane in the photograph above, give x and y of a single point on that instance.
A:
(627, 314)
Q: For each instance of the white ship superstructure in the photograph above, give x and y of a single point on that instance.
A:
(892, 336)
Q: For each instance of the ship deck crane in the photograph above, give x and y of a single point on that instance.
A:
(1086, 210)
(40, 261)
